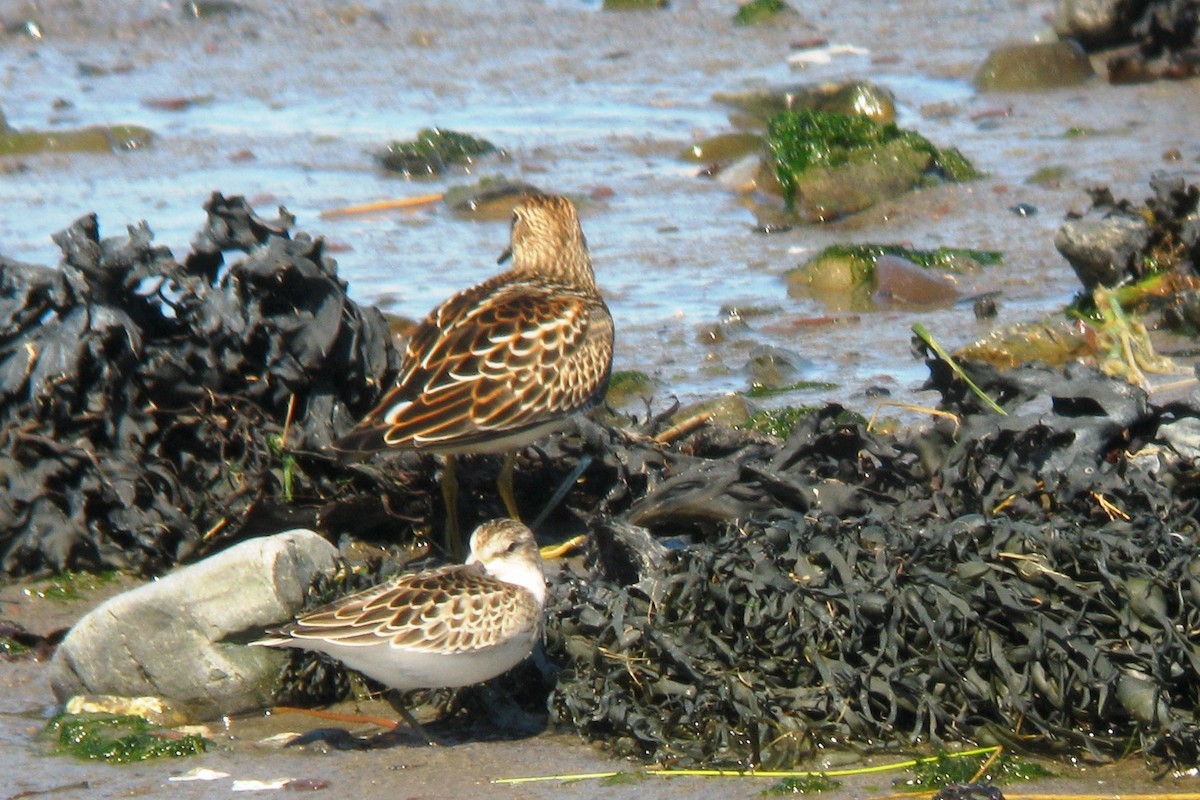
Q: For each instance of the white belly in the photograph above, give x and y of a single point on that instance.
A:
(409, 669)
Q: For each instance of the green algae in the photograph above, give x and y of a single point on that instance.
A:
(94, 139)
(1046, 176)
(804, 142)
(945, 259)
(757, 12)
(846, 269)
(777, 422)
(949, 768)
(68, 585)
(758, 390)
(802, 784)
(11, 647)
(119, 739)
(625, 385)
(433, 151)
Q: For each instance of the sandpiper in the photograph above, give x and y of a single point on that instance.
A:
(499, 365)
(453, 626)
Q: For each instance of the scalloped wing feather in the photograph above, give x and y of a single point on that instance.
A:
(502, 357)
(451, 610)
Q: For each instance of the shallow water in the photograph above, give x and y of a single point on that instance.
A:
(584, 102)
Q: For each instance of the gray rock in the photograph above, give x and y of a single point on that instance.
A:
(1101, 250)
(773, 367)
(168, 638)
(1097, 23)
(1183, 436)
(1025, 67)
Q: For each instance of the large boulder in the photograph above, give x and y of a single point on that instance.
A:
(172, 638)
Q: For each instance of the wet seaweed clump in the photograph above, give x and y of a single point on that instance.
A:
(433, 151)
(1153, 39)
(1148, 253)
(120, 739)
(153, 409)
(978, 769)
(1028, 579)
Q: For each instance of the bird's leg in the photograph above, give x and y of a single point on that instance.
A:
(412, 723)
(453, 542)
(505, 484)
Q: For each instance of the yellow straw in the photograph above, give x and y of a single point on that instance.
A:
(732, 773)
(382, 205)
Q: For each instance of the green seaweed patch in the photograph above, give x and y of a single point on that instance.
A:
(763, 390)
(947, 768)
(802, 784)
(1046, 176)
(68, 585)
(628, 383)
(756, 12)
(945, 259)
(120, 738)
(951, 163)
(433, 151)
(11, 647)
(777, 422)
(93, 139)
(800, 141)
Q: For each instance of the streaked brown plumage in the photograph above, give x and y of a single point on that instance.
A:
(500, 364)
(452, 626)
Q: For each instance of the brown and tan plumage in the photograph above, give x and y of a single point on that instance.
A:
(453, 626)
(455, 609)
(501, 364)
(494, 365)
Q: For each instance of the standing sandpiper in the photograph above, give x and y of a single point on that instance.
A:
(499, 365)
(447, 627)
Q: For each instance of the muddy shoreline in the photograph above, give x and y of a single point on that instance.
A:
(628, 93)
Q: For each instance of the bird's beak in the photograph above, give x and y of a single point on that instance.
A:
(505, 256)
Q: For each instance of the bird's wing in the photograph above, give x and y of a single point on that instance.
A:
(451, 610)
(499, 358)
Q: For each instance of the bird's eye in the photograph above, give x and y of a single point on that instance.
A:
(512, 547)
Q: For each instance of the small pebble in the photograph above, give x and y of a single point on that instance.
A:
(986, 307)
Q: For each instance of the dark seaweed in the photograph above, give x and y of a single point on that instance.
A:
(867, 590)
(143, 399)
